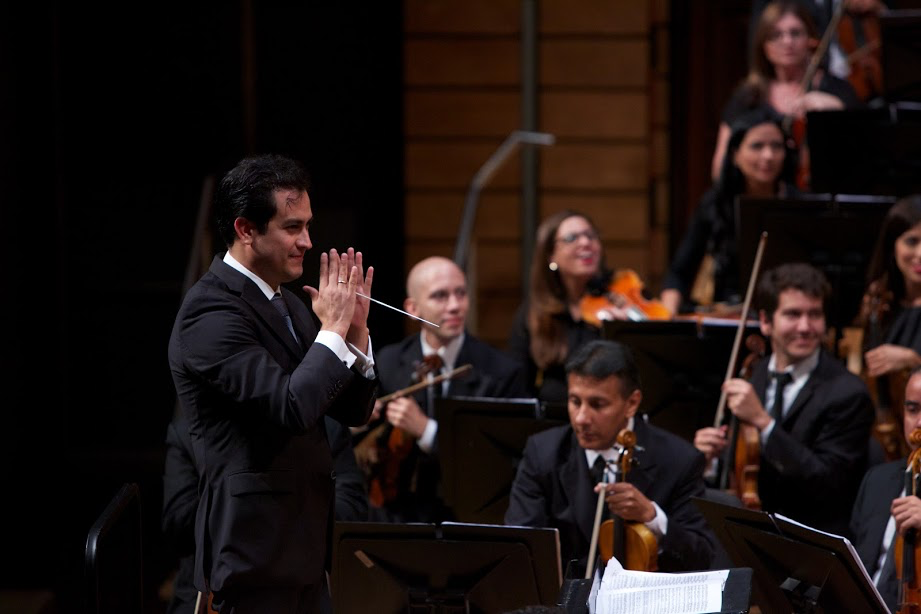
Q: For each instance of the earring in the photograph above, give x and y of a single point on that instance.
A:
(553, 266)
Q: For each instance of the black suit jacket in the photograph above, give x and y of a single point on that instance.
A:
(255, 400)
(553, 488)
(494, 375)
(872, 510)
(814, 459)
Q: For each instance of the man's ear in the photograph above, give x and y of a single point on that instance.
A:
(245, 230)
(765, 323)
(633, 402)
(409, 305)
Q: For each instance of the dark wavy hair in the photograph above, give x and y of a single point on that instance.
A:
(601, 359)
(546, 294)
(883, 272)
(247, 191)
(791, 276)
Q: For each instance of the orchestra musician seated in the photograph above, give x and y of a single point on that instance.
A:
(760, 162)
(882, 509)
(436, 290)
(893, 298)
(570, 291)
(783, 43)
(814, 439)
(557, 483)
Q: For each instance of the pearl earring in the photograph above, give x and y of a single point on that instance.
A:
(553, 266)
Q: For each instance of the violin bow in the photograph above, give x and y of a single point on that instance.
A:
(425, 383)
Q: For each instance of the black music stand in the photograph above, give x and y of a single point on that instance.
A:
(835, 234)
(796, 568)
(480, 443)
(446, 569)
(682, 365)
(865, 151)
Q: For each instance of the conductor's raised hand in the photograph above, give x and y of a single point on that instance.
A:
(358, 328)
(334, 300)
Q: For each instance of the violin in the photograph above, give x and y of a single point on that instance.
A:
(742, 475)
(626, 292)
(887, 391)
(632, 543)
(384, 448)
(859, 36)
(906, 553)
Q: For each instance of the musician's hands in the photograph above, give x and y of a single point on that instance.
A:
(334, 302)
(711, 441)
(611, 312)
(907, 513)
(887, 358)
(671, 298)
(405, 413)
(744, 403)
(624, 500)
(358, 327)
(815, 100)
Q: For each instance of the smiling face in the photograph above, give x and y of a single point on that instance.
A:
(760, 157)
(576, 249)
(599, 409)
(277, 255)
(795, 328)
(438, 293)
(908, 258)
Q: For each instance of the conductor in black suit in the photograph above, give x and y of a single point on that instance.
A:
(882, 509)
(555, 485)
(256, 370)
(436, 290)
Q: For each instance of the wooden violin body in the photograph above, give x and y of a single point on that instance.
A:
(626, 292)
(634, 545)
(907, 553)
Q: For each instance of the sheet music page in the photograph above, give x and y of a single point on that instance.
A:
(624, 592)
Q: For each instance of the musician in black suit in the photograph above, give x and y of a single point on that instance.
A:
(554, 486)
(882, 510)
(256, 370)
(814, 438)
(436, 291)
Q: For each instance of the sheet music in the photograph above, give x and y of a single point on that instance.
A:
(624, 592)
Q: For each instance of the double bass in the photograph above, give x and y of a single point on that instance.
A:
(632, 543)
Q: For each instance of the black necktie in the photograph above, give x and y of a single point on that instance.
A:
(279, 303)
(597, 470)
(782, 380)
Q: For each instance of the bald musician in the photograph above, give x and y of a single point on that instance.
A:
(882, 510)
(436, 290)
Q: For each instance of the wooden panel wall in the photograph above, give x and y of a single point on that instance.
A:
(599, 93)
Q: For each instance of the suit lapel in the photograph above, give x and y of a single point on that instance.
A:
(643, 473)
(469, 384)
(576, 484)
(410, 357)
(815, 379)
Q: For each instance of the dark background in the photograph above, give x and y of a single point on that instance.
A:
(111, 119)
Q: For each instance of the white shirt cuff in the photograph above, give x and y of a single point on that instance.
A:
(348, 353)
(427, 441)
(659, 524)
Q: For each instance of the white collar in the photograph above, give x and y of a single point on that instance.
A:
(801, 369)
(447, 352)
(235, 264)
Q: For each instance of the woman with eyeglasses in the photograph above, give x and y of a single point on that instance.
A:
(705, 268)
(782, 46)
(568, 262)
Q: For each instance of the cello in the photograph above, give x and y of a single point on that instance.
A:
(906, 551)
(632, 543)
